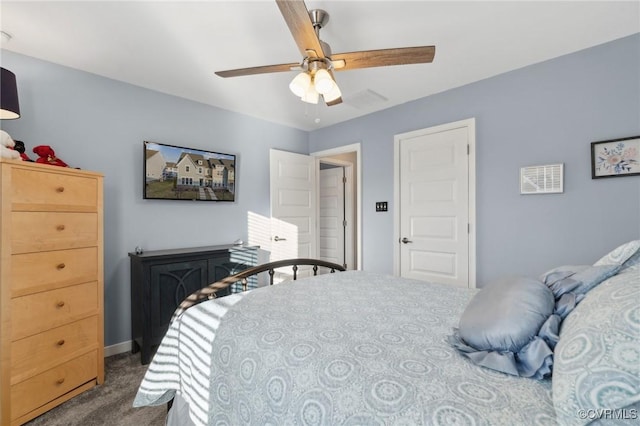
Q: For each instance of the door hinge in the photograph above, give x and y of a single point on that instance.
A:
(344, 223)
(344, 179)
(468, 228)
(468, 149)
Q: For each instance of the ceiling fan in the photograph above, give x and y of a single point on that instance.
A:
(316, 77)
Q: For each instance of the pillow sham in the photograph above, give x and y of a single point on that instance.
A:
(510, 326)
(597, 359)
(625, 255)
(577, 279)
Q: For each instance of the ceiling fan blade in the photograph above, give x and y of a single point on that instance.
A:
(296, 16)
(385, 57)
(334, 102)
(258, 70)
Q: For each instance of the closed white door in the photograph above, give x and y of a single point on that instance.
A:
(293, 205)
(332, 215)
(435, 202)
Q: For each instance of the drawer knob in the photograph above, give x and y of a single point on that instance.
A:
(60, 227)
(61, 266)
(60, 381)
(60, 342)
(60, 304)
(60, 189)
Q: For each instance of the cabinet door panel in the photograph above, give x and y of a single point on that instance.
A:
(172, 283)
(223, 266)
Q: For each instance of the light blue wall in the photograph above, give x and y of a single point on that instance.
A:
(541, 114)
(99, 124)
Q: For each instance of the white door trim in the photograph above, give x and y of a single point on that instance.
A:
(348, 206)
(470, 124)
(354, 147)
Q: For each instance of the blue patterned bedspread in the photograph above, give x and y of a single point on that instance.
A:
(351, 348)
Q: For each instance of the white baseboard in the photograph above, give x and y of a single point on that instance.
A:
(118, 348)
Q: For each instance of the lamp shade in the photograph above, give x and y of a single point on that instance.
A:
(9, 106)
(333, 94)
(300, 84)
(311, 95)
(323, 81)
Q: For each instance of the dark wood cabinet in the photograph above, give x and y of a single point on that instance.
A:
(161, 279)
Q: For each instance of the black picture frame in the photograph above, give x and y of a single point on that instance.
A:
(173, 172)
(615, 157)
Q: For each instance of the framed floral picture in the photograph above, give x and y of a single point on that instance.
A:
(615, 157)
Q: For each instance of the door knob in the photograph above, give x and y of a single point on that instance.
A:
(405, 240)
(276, 238)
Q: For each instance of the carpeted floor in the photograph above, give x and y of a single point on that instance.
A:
(109, 403)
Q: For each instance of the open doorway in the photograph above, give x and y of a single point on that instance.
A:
(335, 213)
(340, 213)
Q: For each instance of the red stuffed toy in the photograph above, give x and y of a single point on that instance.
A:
(48, 156)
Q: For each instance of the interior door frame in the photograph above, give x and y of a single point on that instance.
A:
(349, 232)
(470, 124)
(355, 147)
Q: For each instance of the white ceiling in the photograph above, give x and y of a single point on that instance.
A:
(175, 47)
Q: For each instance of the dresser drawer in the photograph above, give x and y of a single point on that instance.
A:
(52, 188)
(39, 390)
(32, 272)
(43, 351)
(40, 231)
(54, 308)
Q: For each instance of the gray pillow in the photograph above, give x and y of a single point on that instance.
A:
(510, 326)
(577, 279)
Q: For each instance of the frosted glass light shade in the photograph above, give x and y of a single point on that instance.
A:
(311, 95)
(323, 81)
(300, 84)
(333, 94)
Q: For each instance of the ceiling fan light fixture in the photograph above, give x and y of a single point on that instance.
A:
(323, 82)
(300, 84)
(311, 96)
(319, 63)
(333, 94)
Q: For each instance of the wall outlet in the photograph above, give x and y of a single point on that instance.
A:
(381, 206)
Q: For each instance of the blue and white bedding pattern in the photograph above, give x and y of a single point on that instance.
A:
(343, 349)
(597, 367)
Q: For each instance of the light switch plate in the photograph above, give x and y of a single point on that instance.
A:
(381, 206)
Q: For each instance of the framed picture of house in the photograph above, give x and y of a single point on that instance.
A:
(615, 157)
(179, 173)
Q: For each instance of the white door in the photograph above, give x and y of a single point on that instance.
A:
(332, 215)
(293, 205)
(436, 201)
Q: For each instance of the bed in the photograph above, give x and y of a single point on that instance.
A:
(361, 348)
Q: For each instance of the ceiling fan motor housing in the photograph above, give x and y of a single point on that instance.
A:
(319, 18)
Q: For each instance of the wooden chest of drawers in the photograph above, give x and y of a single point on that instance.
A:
(51, 287)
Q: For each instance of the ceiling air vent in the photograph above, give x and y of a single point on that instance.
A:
(365, 99)
(542, 179)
